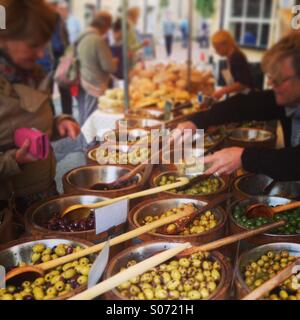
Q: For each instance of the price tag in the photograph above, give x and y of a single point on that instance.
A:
(99, 266)
(111, 216)
(2, 277)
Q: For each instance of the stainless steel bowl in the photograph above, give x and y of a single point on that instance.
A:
(254, 254)
(253, 185)
(132, 136)
(250, 135)
(16, 254)
(160, 206)
(139, 123)
(44, 212)
(84, 178)
(270, 201)
(147, 250)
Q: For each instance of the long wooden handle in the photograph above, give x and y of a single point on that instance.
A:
(181, 182)
(234, 238)
(117, 240)
(289, 206)
(273, 282)
(130, 273)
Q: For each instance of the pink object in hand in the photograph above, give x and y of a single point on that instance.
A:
(39, 142)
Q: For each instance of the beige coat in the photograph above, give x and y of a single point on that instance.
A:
(22, 106)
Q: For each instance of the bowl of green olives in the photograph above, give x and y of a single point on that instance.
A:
(204, 228)
(290, 232)
(118, 154)
(204, 190)
(203, 276)
(41, 219)
(250, 185)
(84, 180)
(57, 284)
(261, 264)
(251, 137)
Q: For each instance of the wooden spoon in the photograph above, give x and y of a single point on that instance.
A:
(82, 211)
(263, 210)
(274, 282)
(234, 238)
(42, 267)
(160, 258)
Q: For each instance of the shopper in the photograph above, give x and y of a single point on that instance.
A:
(237, 75)
(168, 31)
(282, 65)
(185, 30)
(24, 102)
(96, 64)
(135, 42)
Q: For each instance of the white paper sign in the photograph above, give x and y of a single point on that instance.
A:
(111, 216)
(99, 266)
(2, 277)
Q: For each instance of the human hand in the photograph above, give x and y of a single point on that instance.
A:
(225, 161)
(219, 94)
(68, 128)
(187, 125)
(23, 156)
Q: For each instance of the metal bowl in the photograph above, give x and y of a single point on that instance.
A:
(253, 185)
(83, 178)
(157, 176)
(130, 137)
(250, 135)
(14, 254)
(254, 254)
(148, 249)
(270, 201)
(123, 149)
(158, 207)
(139, 123)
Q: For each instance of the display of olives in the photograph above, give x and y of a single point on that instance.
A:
(57, 282)
(291, 227)
(56, 223)
(192, 278)
(266, 267)
(133, 157)
(207, 186)
(200, 224)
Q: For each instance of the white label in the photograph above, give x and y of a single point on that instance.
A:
(2, 277)
(111, 216)
(99, 266)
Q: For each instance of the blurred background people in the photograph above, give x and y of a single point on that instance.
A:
(169, 28)
(117, 47)
(237, 75)
(96, 64)
(185, 31)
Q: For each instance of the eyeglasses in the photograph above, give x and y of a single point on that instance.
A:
(279, 82)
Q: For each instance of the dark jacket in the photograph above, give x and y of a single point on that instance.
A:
(282, 165)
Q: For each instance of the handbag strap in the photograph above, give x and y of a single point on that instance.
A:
(77, 42)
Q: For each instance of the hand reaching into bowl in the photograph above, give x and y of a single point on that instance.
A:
(225, 161)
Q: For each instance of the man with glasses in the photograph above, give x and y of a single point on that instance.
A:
(281, 63)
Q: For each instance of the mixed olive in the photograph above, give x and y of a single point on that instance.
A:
(192, 278)
(266, 267)
(291, 227)
(200, 224)
(134, 157)
(57, 223)
(57, 282)
(207, 186)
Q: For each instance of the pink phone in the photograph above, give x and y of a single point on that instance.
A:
(39, 142)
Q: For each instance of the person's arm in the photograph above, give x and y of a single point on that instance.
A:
(235, 87)
(257, 105)
(281, 165)
(105, 57)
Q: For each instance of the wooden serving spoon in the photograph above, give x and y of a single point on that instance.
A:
(42, 267)
(82, 211)
(231, 239)
(273, 282)
(182, 223)
(180, 250)
(263, 210)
